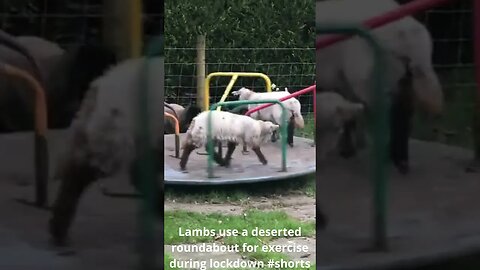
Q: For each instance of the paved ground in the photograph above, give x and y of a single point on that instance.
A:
(431, 212)
(104, 232)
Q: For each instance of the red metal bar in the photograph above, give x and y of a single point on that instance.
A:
(315, 107)
(387, 17)
(301, 92)
(476, 129)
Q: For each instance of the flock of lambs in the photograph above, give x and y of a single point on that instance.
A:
(101, 100)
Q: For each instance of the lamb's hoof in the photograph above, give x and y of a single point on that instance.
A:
(62, 247)
(245, 152)
(291, 144)
(264, 162)
(402, 167)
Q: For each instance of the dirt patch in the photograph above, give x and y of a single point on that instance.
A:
(297, 206)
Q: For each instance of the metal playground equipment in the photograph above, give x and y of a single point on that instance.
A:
(246, 168)
(339, 32)
(40, 129)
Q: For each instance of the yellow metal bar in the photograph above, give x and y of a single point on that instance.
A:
(175, 120)
(135, 27)
(227, 90)
(206, 101)
(40, 111)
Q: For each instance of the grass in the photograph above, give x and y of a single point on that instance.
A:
(167, 259)
(241, 193)
(456, 124)
(249, 221)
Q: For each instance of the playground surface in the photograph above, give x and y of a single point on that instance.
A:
(245, 168)
(104, 232)
(432, 212)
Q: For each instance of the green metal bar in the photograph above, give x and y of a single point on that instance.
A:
(146, 160)
(283, 130)
(379, 116)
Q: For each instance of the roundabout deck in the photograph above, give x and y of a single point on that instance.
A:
(244, 168)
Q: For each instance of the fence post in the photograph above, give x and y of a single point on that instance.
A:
(201, 72)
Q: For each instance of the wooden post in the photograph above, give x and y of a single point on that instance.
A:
(122, 27)
(201, 72)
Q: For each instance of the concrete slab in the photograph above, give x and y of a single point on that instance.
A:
(432, 212)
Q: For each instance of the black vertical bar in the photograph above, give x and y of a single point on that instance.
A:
(41, 171)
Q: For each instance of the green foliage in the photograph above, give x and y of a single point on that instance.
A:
(247, 24)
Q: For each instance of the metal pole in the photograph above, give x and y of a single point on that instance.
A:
(387, 17)
(40, 140)
(379, 115)
(296, 94)
(146, 164)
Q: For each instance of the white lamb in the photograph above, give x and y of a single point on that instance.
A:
(227, 127)
(411, 79)
(274, 113)
(102, 142)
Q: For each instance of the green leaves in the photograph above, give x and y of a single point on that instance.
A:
(258, 23)
(247, 24)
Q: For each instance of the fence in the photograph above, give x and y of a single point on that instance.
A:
(451, 27)
(69, 22)
(293, 68)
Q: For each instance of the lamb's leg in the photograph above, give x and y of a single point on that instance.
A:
(273, 138)
(321, 219)
(230, 150)
(400, 127)
(220, 152)
(290, 131)
(75, 180)
(346, 143)
(217, 156)
(187, 150)
(260, 155)
(245, 150)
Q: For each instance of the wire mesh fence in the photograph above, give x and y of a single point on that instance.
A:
(451, 27)
(293, 68)
(69, 22)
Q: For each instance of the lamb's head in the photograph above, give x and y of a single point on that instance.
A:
(333, 114)
(269, 129)
(243, 93)
(188, 115)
